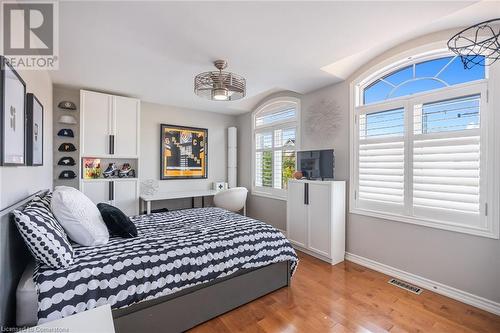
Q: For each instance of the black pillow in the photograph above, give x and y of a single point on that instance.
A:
(117, 222)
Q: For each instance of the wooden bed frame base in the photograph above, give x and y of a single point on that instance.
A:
(188, 308)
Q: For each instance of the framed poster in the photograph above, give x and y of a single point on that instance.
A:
(184, 152)
(12, 116)
(34, 131)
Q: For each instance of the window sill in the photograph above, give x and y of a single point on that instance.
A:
(488, 233)
(268, 195)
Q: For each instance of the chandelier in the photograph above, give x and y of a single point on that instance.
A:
(478, 44)
(219, 85)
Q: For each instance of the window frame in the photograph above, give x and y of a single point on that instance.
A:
(269, 107)
(489, 224)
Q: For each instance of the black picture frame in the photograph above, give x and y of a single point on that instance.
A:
(34, 130)
(163, 175)
(17, 120)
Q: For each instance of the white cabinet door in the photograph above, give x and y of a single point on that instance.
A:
(126, 119)
(296, 214)
(97, 191)
(319, 216)
(96, 109)
(126, 197)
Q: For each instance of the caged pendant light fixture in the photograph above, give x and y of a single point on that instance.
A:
(220, 85)
(478, 44)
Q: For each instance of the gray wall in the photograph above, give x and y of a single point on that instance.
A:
(18, 182)
(62, 93)
(152, 115)
(335, 135)
(466, 262)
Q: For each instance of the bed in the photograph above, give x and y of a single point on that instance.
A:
(184, 268)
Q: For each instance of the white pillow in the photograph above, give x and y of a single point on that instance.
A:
(79, 216)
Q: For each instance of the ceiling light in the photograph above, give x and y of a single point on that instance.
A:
(478, 44)
(220, 94)
(219, 85)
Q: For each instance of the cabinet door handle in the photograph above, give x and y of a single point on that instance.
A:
(111, 194)
(306, 193)
(111, 144)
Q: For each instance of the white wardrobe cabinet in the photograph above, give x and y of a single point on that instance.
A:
(110, 131)
(125, 196)
(109, 125)
(121, 193)
(96, 190)
(316, 218)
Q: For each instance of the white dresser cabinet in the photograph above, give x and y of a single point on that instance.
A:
(316, 218)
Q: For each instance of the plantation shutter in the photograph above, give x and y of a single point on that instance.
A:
(263, 159)
(275, 130)
(381, 160)
(447, 159)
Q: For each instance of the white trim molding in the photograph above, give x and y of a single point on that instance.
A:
(437, 287)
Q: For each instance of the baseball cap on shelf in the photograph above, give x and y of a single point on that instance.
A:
(66, 160)
(67, 119)
(67, 174)
(67, 147)
(67, 105)
(66, 132)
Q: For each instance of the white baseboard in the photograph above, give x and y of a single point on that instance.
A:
(459, 295)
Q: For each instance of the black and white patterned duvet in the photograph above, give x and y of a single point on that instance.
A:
(173, 251)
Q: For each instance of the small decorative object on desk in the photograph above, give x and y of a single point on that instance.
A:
(91, 168)
(149, 186)
(298, 175)
(220, 186)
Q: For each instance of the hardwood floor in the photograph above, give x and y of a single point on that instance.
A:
(349, 298)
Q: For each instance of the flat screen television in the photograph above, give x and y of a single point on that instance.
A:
(317, 164)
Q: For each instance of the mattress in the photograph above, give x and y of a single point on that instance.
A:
(27, 298)
(173, 251)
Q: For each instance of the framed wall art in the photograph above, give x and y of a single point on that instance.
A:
(12, 116)
(34, 131)
(184, 152)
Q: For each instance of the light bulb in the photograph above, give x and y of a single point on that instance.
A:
(220, 94)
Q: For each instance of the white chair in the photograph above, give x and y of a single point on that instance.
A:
(233, 199)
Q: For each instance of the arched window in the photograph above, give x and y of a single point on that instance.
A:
(275, 141)
(420, 145)
(422, 76)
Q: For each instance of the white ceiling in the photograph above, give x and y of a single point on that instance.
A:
(153, 50)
